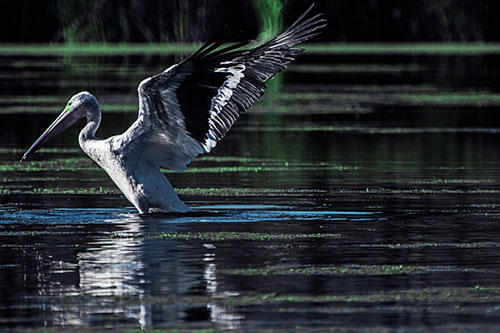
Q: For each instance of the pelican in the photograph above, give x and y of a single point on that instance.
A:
(183, 112)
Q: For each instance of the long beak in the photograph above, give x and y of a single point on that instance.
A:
(62, 122)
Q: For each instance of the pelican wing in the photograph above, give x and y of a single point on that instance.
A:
(185, 110)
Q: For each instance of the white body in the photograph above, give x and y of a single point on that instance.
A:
(144, 185)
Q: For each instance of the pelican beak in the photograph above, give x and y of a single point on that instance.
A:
(63, 121)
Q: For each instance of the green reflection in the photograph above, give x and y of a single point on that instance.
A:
(270, 18)
(447, 49)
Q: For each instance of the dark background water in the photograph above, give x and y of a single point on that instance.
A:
(361, 193)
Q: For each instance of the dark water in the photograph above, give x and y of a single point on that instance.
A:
(361, 194)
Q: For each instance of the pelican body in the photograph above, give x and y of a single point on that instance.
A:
(183, 112)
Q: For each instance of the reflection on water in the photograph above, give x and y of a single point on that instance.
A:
(364, 195)
(122, 268)
(126, 270)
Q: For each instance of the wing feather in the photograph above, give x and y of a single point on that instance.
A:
(187, 109)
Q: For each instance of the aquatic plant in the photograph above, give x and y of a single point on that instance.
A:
(270, 18)
(271, 24)
(80, 21)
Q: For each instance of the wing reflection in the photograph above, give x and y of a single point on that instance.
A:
(113, 269)
(151, 282)
(220, 314)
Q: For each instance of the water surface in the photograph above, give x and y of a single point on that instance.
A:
(362, 192)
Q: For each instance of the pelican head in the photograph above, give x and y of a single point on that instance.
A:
(81, 105)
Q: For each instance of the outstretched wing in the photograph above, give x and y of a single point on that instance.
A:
(188, 108)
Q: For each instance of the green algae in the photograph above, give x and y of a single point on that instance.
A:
(174, 330)
(349, 68)
(222, 191)
(239, 159)
(264, 167)
(437, 97)
(418, 245)
(55, 165)
(44, 150)
(258, 165)
(446, 181)
(230, 236)
(433, 295)
(423, 96)
(248, 192)
(460, 98)
(363, 270)
(374, 130)
(430, 295)
(101, 190)
(195, 191)
(79, 191)
(455, 302)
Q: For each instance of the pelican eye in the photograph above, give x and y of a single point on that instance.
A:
(67, 108)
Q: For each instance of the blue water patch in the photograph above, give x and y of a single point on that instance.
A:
(238, 207)
(58, 216)
(201, 214)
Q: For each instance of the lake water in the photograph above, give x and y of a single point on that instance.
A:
(361, 193)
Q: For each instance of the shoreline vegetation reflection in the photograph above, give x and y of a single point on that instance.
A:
(375, 48)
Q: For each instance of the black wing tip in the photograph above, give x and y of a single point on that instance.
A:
(302, 29)
(215, 39)
(215, 49)
(303, 24)
(297, 21)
